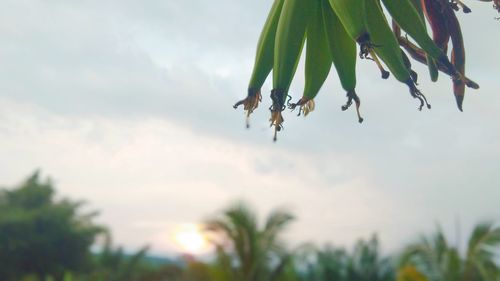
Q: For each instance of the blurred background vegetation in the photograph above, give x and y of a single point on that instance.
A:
(43, 237)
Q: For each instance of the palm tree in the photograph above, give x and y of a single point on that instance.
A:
(246, 250)
(438, 261)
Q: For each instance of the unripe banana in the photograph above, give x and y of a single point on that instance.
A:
(290, 37)
(264, 59)
(318, 58)
(384, 41)
(351, 15)
(343, 52)
(387, 47)
(405, 14)
(418, 7)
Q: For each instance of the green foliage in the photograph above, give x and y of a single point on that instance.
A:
(44, 239)
(112, 264)
(437, 260)
(197, 271)
(330, 264)
(40, 235)
(364, 263)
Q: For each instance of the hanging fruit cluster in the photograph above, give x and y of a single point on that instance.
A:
(333, 28)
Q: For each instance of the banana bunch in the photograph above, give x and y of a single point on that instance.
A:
(331, 30)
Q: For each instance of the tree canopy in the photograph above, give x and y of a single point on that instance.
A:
(42, 235)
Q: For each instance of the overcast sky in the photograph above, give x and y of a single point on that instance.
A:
(128, 104)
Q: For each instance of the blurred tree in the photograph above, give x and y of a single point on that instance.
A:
(40, 235)
(410, 273)
(196, 271)
(438, 261)
(363, 264)
(113, 264)
(169, 272)
(330, 264)
(246, 251)
(366, 263)
(222, 268)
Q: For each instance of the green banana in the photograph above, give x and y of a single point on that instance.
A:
(290, 37)
(343, 52)
(418, 7)
(351, 15)
(265, 47)
(318, 58)
(409, 19)
(387, 48)
(332, 28)
(264, 60)
(385, 44)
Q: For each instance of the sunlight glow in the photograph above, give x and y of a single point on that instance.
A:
(190, 239)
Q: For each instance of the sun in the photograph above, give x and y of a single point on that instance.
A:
(190, 239)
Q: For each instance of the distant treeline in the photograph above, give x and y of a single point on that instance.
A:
(47, 239)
